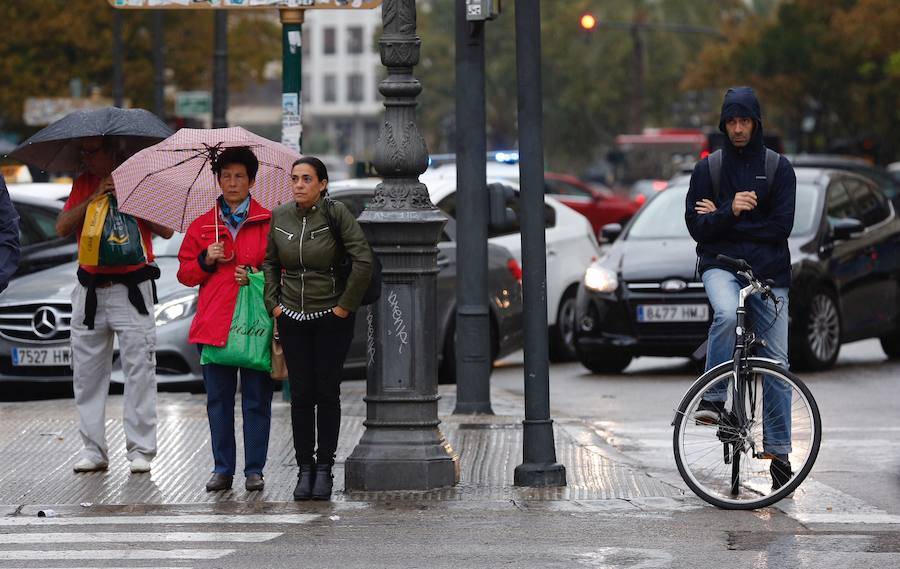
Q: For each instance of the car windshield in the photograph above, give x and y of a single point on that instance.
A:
(663, 217)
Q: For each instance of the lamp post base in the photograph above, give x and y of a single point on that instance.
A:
(539, 475)
(395, 459)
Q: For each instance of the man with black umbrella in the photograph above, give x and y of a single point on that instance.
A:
(9, 236)
(112, 301)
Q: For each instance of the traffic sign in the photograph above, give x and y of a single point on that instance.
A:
(41, 111)
(243, 4)
(193, 104)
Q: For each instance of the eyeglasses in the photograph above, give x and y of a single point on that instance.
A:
(89, 152)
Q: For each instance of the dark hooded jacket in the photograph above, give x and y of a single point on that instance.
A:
(760, 235)
(9, 237)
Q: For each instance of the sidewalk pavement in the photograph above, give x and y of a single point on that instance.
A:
(39, 442)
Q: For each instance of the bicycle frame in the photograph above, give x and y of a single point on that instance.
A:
(743, 340)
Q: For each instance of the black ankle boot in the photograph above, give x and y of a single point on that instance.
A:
(304, 488)
(324, 482)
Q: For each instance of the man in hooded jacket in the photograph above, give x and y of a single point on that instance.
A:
(750, 218)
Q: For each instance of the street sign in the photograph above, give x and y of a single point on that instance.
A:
(243, 4)
(41, 111)
(193, 104)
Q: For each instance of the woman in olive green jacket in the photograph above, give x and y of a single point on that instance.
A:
(314, 302)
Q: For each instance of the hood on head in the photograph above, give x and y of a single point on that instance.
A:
(742, 102)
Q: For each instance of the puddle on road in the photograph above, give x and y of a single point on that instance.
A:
(626, 558)
(843, 542)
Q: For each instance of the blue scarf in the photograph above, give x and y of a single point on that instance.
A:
(234, 218)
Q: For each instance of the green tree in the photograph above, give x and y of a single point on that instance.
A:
(49, 43)
(828, 72)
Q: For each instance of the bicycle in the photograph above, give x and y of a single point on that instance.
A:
(723, 460)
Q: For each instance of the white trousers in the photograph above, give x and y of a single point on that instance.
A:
(92, 353)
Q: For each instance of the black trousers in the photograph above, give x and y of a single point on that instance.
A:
(315, 351)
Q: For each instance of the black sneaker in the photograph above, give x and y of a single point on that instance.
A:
(780, 469)
(709, 412)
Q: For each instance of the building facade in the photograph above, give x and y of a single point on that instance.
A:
(341, 69)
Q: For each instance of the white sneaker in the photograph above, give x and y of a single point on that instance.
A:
(140, 465)
(88, 465)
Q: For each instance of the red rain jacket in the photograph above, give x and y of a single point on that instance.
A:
(218, 289)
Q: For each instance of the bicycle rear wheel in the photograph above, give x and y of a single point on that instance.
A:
(747, 482)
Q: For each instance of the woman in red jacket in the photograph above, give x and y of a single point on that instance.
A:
(216, 255)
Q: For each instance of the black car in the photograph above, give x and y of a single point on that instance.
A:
(504, 289)
(889, 186)
(41, 246)
(644, 296)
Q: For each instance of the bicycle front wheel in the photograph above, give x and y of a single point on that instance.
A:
(769, 412)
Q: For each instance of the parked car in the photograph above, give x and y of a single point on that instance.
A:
(598, 204)
(35, 314)
(894, 171)
(643, 190)
(889, 186)
(38, 206)
(571, 245)
(644, 297)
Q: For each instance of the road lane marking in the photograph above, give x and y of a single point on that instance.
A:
(112, 554)
(168, 520)
(118, 537)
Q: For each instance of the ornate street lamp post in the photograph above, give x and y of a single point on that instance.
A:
(402, 447)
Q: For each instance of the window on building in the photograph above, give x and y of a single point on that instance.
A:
(355, 40)
(306, 88)
(330, 89)
(355, 88)
(329, 37)
(306, 40)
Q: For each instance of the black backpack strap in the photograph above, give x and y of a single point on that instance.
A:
(714, 161)
(772, 159)
(335, 230)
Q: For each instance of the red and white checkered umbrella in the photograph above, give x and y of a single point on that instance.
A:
(172, 183)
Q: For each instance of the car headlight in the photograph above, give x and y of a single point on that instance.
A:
(172, 309)
(600, 279)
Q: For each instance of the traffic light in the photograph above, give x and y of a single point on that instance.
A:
(588, 22)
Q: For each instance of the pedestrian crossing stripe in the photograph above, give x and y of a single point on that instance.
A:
(274, 519)
(113, 554)
(138, 537)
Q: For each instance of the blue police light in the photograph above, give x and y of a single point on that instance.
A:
(507, 157)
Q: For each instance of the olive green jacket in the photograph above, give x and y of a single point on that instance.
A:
(302, 258)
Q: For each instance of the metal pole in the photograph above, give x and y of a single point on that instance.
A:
(291, 78)
(158, 65)
(117, 88)
(291, 95)
(637, 78)
(402, 447)
(473, 327)
(539, 466)
(220, 71)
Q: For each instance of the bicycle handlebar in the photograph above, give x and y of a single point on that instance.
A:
(736, 264)
(743, 267)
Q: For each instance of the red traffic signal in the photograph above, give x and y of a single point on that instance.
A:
(588, 22)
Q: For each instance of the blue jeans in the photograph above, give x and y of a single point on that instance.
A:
(723, 288)
(256, 406)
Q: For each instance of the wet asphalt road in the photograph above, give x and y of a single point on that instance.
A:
(846, 515)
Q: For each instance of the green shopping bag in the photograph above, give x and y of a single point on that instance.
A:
(250, 338)
(110, 238)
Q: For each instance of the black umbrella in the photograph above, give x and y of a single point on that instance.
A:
(56, 148)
